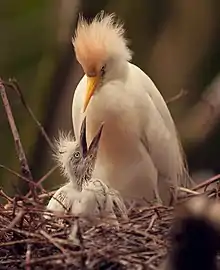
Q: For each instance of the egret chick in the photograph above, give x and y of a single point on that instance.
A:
(139, 152)
(84, 195)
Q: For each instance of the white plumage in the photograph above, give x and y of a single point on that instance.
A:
(139, 151)
(83, 195)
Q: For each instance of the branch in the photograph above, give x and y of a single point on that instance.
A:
(25, 171)
(37, 185)
(13, 84)
(208, 182)
(42, 179)
(178, 96)
(203, 117)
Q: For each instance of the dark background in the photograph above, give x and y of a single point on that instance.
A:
(176, 42)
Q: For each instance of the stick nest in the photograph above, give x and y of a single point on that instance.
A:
(30, 241)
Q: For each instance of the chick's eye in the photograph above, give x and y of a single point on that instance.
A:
(103, 70)
(76, 155)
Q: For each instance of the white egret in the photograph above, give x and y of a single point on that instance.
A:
(84, 195)
(139, 152)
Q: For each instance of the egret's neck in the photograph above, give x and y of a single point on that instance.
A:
(118, 70)
(76, 185)
(82, 175)
(74, 177)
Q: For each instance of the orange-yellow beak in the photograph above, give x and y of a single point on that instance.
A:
(90, 89)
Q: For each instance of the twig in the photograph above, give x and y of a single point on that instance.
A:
(13, 223)
(154, 217)
(25, 171)
(53, 241)
(81, 241)
(28, 257)
(46, 258)
(207, 182)
(15, 86)
(178, 96)
(46, 195)
(23, 178)
(189, 191)
(15, 200)
(24, 233)
(43, 178)
(2, 194)
(22, 241)
(9, 262)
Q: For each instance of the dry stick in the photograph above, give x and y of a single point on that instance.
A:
(82, 247)
(22, 177)
(13, 223)
(22, 241)
(53, 241)
(28, 257)
(44, 259)
(207, 182)
(154, 217)
(178, 96)
(5, 196)
(15, 86)
(25, 171)
(42, 179)
(189, 191)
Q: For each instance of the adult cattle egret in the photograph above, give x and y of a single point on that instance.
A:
(84, 196)
(195, 236)
(139, 152)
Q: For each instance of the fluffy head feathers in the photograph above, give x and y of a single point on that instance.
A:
(98, 41)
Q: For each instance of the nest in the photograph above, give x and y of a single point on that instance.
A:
(28, 240)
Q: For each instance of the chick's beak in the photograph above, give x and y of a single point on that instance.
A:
(83, 143)
(91, 86)
(93, 148)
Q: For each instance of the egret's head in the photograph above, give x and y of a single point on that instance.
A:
(98, 44)
(76, 160)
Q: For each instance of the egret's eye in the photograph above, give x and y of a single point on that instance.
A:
(103, 70)
(76, 154)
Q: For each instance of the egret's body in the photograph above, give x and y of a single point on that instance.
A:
(84, 195)
(139, 152)
(63, 199)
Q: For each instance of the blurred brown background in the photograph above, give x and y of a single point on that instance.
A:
(176, 42)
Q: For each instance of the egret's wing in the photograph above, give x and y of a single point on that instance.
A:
(156, 97)
(104, 202)
(163, 147)
(93, 199)
(162, 116)
(63, 199)
(77, 105)
(119, 207)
